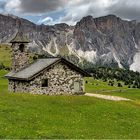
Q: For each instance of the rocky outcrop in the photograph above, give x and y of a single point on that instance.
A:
(108, 41)
(113, 39)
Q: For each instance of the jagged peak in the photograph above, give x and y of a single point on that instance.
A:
(89, 17)
(86, 21)
(61, 25)
(108, 17)
(111, 16)
(90, 20)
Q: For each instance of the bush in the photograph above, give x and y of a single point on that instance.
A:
(2, 66)
(133, 86)
(112, 84)
(126, 83)
(119, 85)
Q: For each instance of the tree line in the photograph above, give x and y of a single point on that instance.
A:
(129, 78)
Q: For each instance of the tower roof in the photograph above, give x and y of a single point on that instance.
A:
(20, 38)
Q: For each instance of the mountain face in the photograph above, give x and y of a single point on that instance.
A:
(105, 41)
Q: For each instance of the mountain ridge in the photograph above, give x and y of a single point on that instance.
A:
(107, 41)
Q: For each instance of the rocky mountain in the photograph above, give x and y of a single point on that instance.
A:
(106, 41)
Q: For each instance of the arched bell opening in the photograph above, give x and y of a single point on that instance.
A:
(21, 47)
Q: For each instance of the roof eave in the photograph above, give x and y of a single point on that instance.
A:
(84, 73)
(16, 78)
(19, 41)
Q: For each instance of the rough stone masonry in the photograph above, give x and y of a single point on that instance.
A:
(61, 80)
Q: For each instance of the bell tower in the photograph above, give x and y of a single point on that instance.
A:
(20, 57)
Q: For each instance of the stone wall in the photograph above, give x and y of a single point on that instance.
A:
(61, 80)
(18, 86)
(19, 59)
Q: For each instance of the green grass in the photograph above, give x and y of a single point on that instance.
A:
(77, 117)
(130, 93)
(94, 85)
(100, 87)
(40, 116)
(5, 55)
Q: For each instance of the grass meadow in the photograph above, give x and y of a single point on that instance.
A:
(73, 117)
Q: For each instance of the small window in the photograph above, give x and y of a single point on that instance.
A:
(45, 83)
(21, 48)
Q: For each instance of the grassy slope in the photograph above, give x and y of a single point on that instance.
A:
(100, 86)
(35, 116)
(5, 55)
(131, 94)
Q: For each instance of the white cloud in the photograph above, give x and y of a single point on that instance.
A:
(77, 9)
(13, 6)
(33, 7)
(74, 10)
(127, 9)
(47, 20)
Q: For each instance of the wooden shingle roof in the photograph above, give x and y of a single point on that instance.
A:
(37, 67)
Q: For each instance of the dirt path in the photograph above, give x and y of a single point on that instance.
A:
(107, 97)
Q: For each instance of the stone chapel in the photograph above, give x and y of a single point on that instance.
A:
(51, 76)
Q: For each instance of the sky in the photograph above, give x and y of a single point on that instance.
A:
(51, 12)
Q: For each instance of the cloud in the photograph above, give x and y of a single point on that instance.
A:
(13, 6)
(79, 8)
(73, 10)
(47, 20)
(34, 6)
(128, 9)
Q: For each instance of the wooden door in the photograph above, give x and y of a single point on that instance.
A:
(76, 86)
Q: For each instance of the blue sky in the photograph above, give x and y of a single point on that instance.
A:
(69, 11)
